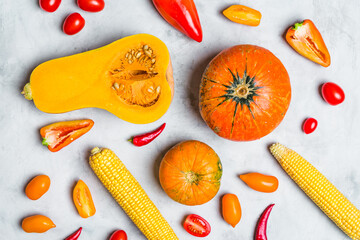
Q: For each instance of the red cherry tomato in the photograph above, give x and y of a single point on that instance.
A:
(309, 125)
(332, 93)
(118, 235)
(197, 226)
(73, 24)
(49, 5)
(91, 5)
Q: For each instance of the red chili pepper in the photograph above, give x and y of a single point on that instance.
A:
(75, 235)
(58, 135)
(182, 15)
(262, 224)
(147, 138)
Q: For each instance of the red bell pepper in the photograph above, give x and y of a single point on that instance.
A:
(306, 39)
(58, 135)
(182, 15)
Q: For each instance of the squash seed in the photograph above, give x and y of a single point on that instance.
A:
(116, 85)
(147, 53)
(153, 60)
(127, 55)
(158, 89)
(138, 54)
(146, 47)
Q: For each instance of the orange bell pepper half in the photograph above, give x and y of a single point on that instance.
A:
(58, 135)
(243, 15)
(83, 200)
(306, 39)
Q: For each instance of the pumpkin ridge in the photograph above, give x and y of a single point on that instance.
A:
(196, 156)
(201, 168)
(203, 192)
(213, 81)
(197, 169)
(171, 165)
(178, 183)
(233, 120)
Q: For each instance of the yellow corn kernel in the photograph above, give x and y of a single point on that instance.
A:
(130, 195)
(328, 198)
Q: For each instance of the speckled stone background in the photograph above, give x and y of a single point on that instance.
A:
(29, 36)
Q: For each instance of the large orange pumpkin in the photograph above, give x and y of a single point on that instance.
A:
(244, 93)
(190, 173)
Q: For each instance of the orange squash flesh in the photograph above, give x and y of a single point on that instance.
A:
(131, 78)
(190, 173)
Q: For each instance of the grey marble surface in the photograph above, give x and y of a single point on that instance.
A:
(29, 36)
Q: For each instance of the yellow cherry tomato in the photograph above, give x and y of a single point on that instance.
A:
(243, 15)
(261, 182)
(37, 224)
(231, 209)
(83, 200)
(37, 187)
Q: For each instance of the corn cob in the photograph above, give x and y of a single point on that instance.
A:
(130, 195)
(330, 200)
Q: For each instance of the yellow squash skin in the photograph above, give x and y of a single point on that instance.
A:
(88, 80)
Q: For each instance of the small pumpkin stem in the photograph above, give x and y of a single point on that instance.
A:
(27, 92)
(242, 91)
(191, 177)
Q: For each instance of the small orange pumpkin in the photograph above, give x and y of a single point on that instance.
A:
(190, 173)
(244, 93)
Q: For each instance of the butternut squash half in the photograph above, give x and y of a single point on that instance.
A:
(131, 78)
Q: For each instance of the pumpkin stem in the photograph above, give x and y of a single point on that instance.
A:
(242, 91)
(192, 177)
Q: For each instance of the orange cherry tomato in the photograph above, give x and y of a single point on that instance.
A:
(261, 182)
(37, 224)
(83, 200)
(243, 15)
(231, 209)
(37, 187)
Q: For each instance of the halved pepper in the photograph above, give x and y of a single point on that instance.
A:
(58, 135)
(182, 15)
(83, 200)
(306, 39)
